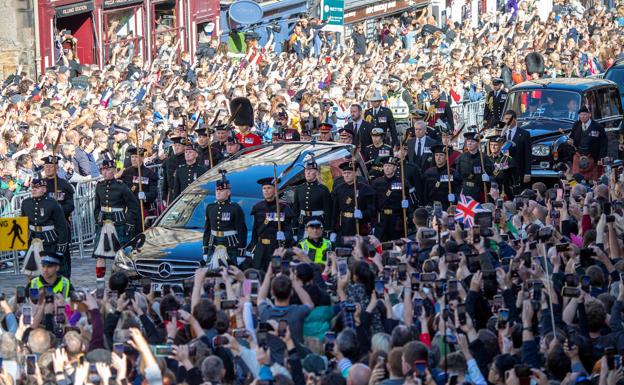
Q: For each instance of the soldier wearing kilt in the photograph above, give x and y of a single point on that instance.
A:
(46, 224)
(265, 237)
(116, 212)
(63, 192)
(344, 204)
(149, 180)
(225, 235)
(437, 178)
(312, 199)
(505, 167)
(473, 171)
(389, 201)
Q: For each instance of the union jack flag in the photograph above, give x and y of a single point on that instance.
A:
(466, 210)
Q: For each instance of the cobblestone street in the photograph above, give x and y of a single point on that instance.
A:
(83, 273)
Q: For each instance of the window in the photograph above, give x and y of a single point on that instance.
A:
(166, 30)
(123, 34)
(608, 103)
(544, 103)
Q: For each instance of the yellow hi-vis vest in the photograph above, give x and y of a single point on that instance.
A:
(62, 286)
(320, 253)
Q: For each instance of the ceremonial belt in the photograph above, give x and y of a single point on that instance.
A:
(108, 209)
(347, 214)
(312, 213)
(265, 241)
(388, 211)
(40, 228)
(223, 233)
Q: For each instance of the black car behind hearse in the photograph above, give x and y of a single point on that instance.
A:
(547, 109)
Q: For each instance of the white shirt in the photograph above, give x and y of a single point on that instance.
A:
(585, 126)
(420, 146)
(357, 125)
(511, 132)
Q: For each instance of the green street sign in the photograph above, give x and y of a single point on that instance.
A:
(333, 12)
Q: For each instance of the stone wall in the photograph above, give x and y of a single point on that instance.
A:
(17, 37)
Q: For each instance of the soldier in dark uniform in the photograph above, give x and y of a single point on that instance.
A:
(225, 227)
(495, 103)
(64, 195)
(203, 149)
(149, 179)
(291, 135)
(325, 133)
(374, 151)
(312, 199)
(222, 132)
(389, 201)
(470, 169)
(116, 212)
(382, 117)
(453, 154)
(170, 165)
(188, 173)
(439, 110)
(265, 237)
(344, 204)
(504, 167)
(46, 223)
(436, 180)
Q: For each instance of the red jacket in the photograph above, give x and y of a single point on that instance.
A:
(249, 139)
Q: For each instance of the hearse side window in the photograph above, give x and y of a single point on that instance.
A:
(589, 100)
(606, 105)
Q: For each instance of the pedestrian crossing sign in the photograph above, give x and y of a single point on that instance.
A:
(13, 233)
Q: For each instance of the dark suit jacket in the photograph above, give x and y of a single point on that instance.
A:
(596, 139)
(426, 160)
(363, 136)
(520, 151)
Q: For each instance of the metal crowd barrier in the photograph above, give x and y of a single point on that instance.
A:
(82, 220)
(83, 217)
(469, 114)
(158, 169)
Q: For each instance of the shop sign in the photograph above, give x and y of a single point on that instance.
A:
(74, 9)
(119, 3)
(380, 9)
(333, 12)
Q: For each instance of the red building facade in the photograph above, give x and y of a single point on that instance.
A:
(96, 31)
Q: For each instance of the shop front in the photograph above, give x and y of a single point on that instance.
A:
(123, 32)
(278, 19)
(106, 31)
(204, 21)
(67, 26)
(168, 35)
(369, 12)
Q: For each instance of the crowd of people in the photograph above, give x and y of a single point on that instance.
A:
(449, 265)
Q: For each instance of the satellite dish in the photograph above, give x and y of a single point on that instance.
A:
(246, 12)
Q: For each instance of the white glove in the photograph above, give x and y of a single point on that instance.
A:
(142, 195)
(332, 237)
(281, 236)
(485, 177)
(404, 204)
(357, 214)
(451, 198)
(205, 256)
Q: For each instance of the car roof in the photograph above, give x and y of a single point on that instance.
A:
(262, 158)
(565, 84)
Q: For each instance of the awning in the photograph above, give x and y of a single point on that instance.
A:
(74, 9)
